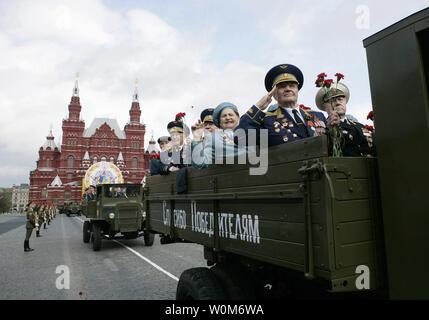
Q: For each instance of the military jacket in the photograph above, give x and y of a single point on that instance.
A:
(281, 126)
(41, 216)
(356, 140)
(174, 157)
(31, 220)
(154, 167)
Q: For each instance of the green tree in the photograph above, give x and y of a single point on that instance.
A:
(5, 202)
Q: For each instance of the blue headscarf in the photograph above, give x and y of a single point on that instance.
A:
(218, 111)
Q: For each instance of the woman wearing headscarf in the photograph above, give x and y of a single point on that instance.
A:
(219, 145)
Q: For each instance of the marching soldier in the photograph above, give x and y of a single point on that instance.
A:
(30, 225)
(356, 139)
(285, 120)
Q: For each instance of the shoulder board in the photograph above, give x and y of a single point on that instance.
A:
(356, 123)
(276, 113)
(306, 112)
(273, 107)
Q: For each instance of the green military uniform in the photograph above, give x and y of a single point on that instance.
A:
(49, 215)
(29, 226)
(43, 215)
(39, 219)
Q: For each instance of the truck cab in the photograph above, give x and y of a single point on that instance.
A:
(115, 212)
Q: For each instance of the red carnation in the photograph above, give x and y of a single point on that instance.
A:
(319, 82)
(154, 155)
(339, 76)
(180, 115)
(322, 75)
(327, 83)
(369, 128)
(304, 107)
(370, 115)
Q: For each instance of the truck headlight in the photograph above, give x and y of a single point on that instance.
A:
(111, 215)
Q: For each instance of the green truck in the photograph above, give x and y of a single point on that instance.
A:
(117, 209)
(315, 225)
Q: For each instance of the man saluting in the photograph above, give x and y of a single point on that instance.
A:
(285, 120)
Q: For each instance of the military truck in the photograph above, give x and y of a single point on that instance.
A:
(117, 209)
(316, 225)
(67, 208)
(75, 208)
(61, 208)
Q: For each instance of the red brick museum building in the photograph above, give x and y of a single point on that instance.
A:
(61, 169)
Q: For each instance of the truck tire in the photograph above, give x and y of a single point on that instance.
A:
(96, 237)
(199, 284)
(238, 285)
(86, 232)
(148, 238)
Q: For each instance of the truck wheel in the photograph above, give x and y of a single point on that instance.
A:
(96, 237)
(86, 232)
(236, 283)
(148, 238)
(199, 284)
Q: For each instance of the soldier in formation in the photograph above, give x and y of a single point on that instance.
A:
(30, 225)
(39, 220)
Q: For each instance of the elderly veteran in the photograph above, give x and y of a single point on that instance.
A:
(219, 144)
(164, 144)
(356, 139)
(205, 126)
(284, 120)
(207, 120)
(178, 155)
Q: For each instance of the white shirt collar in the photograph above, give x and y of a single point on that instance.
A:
(289, 110)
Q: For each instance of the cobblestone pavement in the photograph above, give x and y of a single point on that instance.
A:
(115, 272)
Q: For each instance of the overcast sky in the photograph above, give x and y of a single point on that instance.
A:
(184, 53)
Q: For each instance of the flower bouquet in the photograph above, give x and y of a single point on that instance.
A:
(335, 130)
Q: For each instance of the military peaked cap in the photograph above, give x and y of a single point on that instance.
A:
(283, 73)
(207, 115)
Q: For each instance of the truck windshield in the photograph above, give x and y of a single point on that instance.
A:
(122, 192)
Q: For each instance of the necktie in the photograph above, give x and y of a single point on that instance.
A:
(299, 122)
